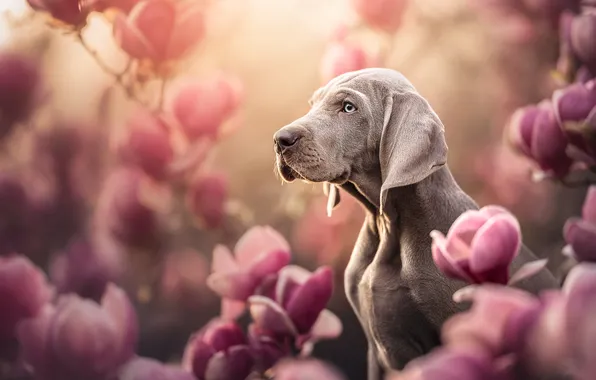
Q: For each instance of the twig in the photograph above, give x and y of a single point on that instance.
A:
(118, 76)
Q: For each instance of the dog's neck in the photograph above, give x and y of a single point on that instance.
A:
(403, 202)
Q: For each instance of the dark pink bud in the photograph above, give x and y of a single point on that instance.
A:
(209, 352)
(80, 338)
(160, 30)
(207, 197)
(148, 145)
(69, 11)
(575, 102)
(580, 234)
(19, 90)
(306, 369)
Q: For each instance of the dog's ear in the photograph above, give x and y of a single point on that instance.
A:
(412, 142)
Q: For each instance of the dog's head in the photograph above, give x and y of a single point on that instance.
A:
(369, 121)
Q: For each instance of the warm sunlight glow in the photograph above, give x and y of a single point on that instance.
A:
(9, 9)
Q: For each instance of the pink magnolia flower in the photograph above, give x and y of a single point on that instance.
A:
(221, 351)
(71, 12)
(127, 208)
(535, 132)
(23, 293)
(80, 339)
(85, 270)
(493, 306)
(479, 247)
(342, 56)
(147, 145)
(20, 90)
(309, 369)
(207, 197)
(294, 306)
(201, 107)
(575, 107)
(445, 364)
(580, 233)
(150, 369)
(259, 253)
(382, 14)
(160, 30)
(582, 33)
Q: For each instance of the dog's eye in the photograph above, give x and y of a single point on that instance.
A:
(348, 107)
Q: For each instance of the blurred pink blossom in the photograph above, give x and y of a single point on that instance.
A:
(128, 207)
(508, 182)
(535, 132)
(580, 233)
(20, 90)
(201, 107)
(259, 253)
(121, 5)
(207, 196)
(342, 56)
(24, 291)
(479, 246)
(219, 351)
(69, 11)
(295, 306)
(382, 14)
(17, 215)
(150, 369)
(184, 275)
(85, 270)
(308, 369)
(147, 145)
(80, 339)
(160, 30)
(494, 306)
(326, 237)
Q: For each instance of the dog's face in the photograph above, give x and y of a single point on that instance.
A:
(333, 138)
(370, 124)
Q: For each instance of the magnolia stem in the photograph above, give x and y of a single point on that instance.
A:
(118, 76)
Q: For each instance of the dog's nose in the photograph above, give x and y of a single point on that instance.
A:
(287, 137)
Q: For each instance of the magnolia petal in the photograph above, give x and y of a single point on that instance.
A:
(269, 263)
(197, 355)
(444, 261)
(33, 336)
(155, 20)
(270, 316)
(259, 240)
(327, 326)
(223, 260)
(309, 300)
(234, 285)
(151, 369)
(117, 305)
(521, 127)
(581, 236)
(232, 309)
(589, 207)
(549, 142)
(235, 364)
(130, 39)
(309, 369)
(528, 270)
(188, 30)
(466, 225)
(289, 278)
(494, 247)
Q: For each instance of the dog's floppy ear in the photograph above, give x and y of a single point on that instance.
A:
(412, 142)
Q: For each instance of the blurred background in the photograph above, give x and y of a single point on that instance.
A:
(67, 203)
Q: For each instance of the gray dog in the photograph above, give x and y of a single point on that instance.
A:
(370, 133)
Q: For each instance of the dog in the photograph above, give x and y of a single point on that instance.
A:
(370, 133)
